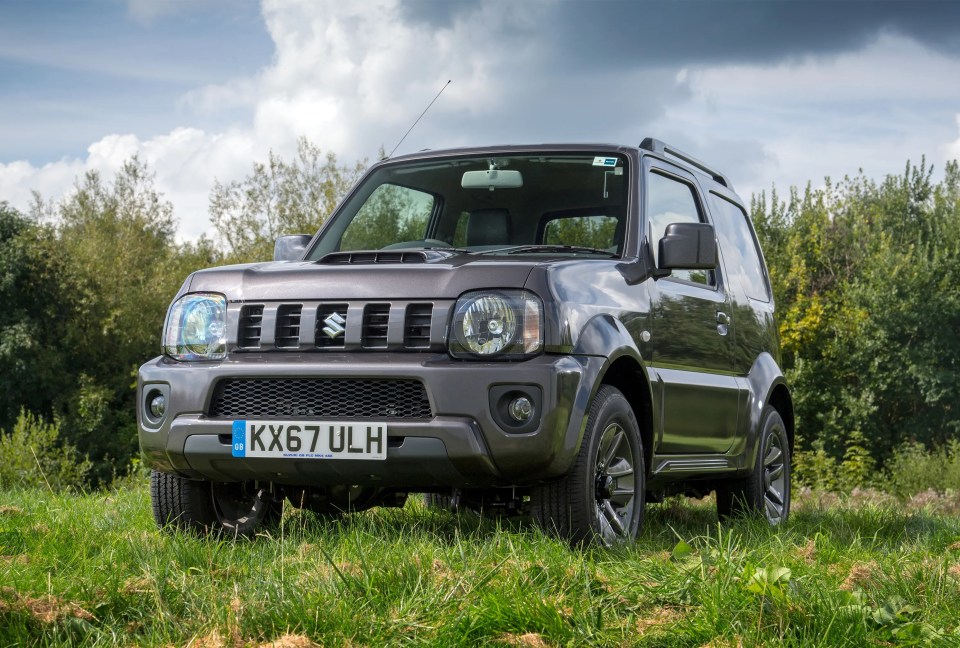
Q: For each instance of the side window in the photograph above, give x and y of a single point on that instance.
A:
(671, 201)
(392, 214)
(741, 254)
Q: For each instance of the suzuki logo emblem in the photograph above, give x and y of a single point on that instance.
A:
(334, 325)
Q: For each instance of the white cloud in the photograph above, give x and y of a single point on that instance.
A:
(952, 149)
(816, 117)
(349, 76)
(352, 77)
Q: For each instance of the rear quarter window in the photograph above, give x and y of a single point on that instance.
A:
(741, 253)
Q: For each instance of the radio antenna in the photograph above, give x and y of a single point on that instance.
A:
(418, 119)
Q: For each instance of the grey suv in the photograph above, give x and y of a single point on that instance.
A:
(568, 331)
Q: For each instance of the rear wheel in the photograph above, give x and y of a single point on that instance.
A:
(438, 501)
(766, 490)
(601, 499)
(234, 509)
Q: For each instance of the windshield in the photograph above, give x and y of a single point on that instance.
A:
(548, 203)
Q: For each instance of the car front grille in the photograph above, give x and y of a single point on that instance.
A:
(320, 398)
(339, 326)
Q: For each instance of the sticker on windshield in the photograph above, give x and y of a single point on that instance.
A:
(605, 161)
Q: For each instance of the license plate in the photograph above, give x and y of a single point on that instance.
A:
(309, 440)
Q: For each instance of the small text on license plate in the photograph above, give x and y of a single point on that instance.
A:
(309, 440)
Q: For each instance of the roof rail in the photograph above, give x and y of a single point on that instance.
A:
(657, 146)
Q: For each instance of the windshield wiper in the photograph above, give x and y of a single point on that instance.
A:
(572, 249)
(449, 249)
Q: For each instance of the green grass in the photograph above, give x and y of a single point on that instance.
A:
(93, 570)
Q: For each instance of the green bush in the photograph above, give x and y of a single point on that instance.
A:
(32, 456)
(818, 469)
(915, 469)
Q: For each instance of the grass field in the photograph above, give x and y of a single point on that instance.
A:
(862, 571)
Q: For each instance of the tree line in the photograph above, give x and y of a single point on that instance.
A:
(865, 275)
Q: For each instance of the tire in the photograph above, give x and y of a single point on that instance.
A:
(438, 501)
(766, 491)
(235, 509)
(601, 498)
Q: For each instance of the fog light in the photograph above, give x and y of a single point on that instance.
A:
(520, 409)
(158, 405)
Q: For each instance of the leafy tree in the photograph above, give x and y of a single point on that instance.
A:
(35, 321)
(866, 275)
(118, 238)
(278, 198)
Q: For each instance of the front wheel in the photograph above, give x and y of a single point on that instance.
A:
(766, 490)
(234, 509)
(601, 499)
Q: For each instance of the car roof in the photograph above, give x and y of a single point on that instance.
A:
(649, 146)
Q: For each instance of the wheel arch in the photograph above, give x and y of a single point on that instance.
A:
(605, 335)
(780, 400)
(768, 387)
(628, 376)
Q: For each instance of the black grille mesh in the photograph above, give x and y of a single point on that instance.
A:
(320, 398)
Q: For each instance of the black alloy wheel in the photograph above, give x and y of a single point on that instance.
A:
(601, 499)
(767, 489)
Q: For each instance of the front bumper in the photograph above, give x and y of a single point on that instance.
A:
(461, 445)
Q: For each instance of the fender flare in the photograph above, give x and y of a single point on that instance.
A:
(768, 386)
(606, 336)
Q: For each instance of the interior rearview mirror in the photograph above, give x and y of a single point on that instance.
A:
(688, 246)
(290, 248)
(492, 179)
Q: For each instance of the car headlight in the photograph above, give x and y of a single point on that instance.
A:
(196, 328)
(504, 324)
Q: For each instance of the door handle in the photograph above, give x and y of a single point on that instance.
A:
(723, 322)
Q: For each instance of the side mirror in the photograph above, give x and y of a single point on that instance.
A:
(688, 246)
(290, 248)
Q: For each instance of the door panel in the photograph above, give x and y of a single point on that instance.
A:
(693, 358)
(692, 336)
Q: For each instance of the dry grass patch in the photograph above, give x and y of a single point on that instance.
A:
(808, 552)
(954, 570)
(290, 641)
(528, 640)
(861, 575)
(46, 609)
(660, 617)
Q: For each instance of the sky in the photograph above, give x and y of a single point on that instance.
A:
(771, 92)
